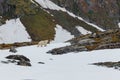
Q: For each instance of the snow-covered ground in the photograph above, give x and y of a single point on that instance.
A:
(119, 25)
(82, 30)
(71, 66)
(61, 35)
(50, 5)
(13, 31)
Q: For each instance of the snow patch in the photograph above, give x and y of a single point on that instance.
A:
(13, 31)
(119, 25)
(82, 30)
(49, 5)
(61, 35)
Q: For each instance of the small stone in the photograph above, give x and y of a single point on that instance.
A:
(50, 59)
(5, 62)
(41, 62)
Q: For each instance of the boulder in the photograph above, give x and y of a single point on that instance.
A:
(19, 59)
(67, 49)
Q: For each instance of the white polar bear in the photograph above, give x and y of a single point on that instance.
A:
(43, 43)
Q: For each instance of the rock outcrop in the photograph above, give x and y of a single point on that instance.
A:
(115, 65)
(101, 40)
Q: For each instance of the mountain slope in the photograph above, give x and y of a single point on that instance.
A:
(40, 18)
(105, 13)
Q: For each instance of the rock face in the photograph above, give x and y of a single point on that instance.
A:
(105, 13)
(21, 60)
(101, 40)
(3, 7)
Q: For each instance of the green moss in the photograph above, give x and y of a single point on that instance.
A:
(40, 26)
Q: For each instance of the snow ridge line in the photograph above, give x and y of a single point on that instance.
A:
(47, 4)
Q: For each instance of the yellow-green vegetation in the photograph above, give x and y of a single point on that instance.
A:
(23, 7)
(7, 46)
(39, 23)
(98, 40)
(93, 47)
(115, 38)
(40, 26)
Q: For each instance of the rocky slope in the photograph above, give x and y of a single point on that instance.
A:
(40, 22)
(32, 17)
(105, 13)
(40, 17)
(101, 40)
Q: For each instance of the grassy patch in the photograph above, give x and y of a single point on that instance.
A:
(40, 26)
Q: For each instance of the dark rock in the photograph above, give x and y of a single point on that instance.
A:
(18, 57)
(24, 63)
(41, 62)
(109, 46)
(115, 65)
(5, 62)
(63, 50)
(13, 49)
(12, 61)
